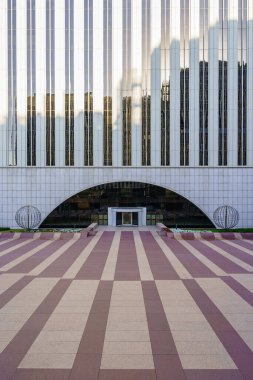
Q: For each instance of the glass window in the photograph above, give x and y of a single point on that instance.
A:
(184, 82)
(203, 84)
(165, 83)
(242, 82)
(126, 83)
(146, 84)
(223, 64)
(50, 83)
(107, 82)
(31, 84)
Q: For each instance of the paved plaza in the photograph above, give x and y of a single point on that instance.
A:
(126, 305)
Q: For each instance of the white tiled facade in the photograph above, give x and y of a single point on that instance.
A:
(46, 187)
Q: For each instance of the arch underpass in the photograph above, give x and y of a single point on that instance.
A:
(160, 204)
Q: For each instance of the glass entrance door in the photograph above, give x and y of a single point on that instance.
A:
(126, 218)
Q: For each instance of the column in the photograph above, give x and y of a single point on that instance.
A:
(232, 82)
(213, 110)
(194, 84)
(59, 82)
(155, 83)
(117, 26)
(136, 80)
(3, 83)
(98, 82)
(21, 82)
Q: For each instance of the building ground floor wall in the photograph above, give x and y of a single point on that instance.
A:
(46, 188)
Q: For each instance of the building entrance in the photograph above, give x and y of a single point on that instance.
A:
(127, 219)
(135, 216)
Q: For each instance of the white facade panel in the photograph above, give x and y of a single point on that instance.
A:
(155, 83)
(3, 83)
(21, 83)
(136, 80)
(194, 84)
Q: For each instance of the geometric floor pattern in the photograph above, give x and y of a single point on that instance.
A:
(126, 305)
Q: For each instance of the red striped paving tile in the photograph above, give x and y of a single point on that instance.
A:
(190, 262)
(225, 264)
(62, 264)
(232, 342)
(93, 267)
(41, 374)
(159, 264)
(8, 242)
(88, 358)
(6, 296)
(127, 268)
(5, 259)
(166, 359)
(31, 262)
(20, 344)
(213, 374)
(239, 289)
(127, 374)
(235, 251)
(245, 244)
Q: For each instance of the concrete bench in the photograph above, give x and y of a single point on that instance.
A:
(88, 231)
(162, 229)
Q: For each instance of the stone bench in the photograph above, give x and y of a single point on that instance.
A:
(162, 229)
(89, 230)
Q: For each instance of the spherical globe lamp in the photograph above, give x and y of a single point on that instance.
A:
(28, 217)
(226, 217)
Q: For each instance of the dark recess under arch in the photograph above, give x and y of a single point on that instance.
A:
(162, 205)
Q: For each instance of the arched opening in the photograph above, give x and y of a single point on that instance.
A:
(161, 205)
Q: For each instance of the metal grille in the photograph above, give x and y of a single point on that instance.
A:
(28, 217)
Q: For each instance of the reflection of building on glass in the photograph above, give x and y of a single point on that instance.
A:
(31, 84)
(146, 85)
(165, 80)
(126, 84)
(88, 83)
(165, 124)
(203, 84)
(88, 129)
(242, 82)
(184, 83)
(126, 128)
(223, 81)
(50, 83)
(107, 82)
(69, 83)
